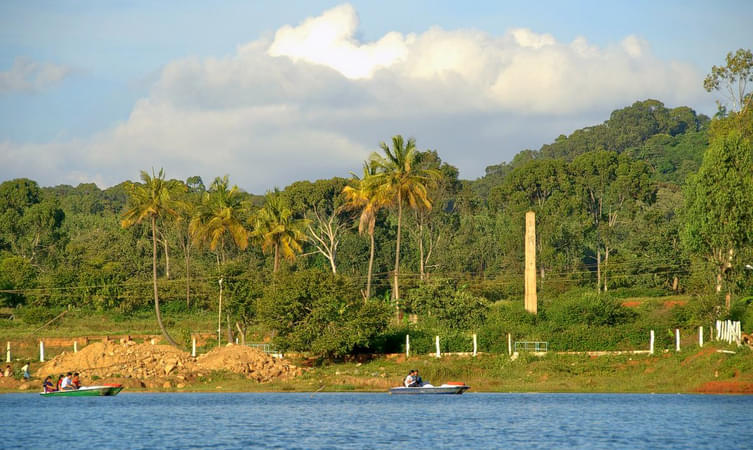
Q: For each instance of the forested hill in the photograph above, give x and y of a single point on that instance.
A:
(609, 199)
(670, 141)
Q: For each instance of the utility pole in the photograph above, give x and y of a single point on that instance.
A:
(531, 303)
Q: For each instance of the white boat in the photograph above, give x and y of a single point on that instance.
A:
(447, 388)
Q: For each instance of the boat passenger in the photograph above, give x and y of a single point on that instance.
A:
(67, 384)
(408, 379)
(76, 381)
(59, 382)
(419, 382)
(47, 386)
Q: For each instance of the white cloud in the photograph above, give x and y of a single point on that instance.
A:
(313, 101)
(26, 75)
(329, 40)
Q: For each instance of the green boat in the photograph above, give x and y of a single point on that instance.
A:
(87, 391)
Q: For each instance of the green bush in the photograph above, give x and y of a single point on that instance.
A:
(742, 310)
(315, 311)
(37, 314)
(590, 309)
(452, 307)
(705, 309)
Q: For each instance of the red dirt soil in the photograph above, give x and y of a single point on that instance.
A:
(631, 304)
(672, 303)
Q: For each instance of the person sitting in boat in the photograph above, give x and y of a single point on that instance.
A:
(410, 380)
(76, 381)
(417, 380)
(59, 382)
(67, 384)
(47, 386)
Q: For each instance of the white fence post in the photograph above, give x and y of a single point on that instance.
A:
(75, 346)
(700, 336)
(475, 344)
(7, 352)
(651, 343)
(509, 344)
(677, 339)
(437, 341)
(407, 346)
(193, 346)
(41, 351)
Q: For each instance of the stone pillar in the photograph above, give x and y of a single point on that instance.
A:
(531, 303)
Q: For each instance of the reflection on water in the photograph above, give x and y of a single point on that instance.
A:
(376, 421)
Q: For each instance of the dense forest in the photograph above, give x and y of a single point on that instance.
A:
(653, 201)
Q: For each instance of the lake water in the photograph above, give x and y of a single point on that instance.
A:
(358, 420)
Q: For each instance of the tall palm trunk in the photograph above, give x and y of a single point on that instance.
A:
(188, 280)
(154, 280)
(167, 259)
(277, 258)
(421, 249)
(396, 291)
(371, 265)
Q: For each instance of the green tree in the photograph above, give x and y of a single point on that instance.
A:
(733, 78)
(609, 186)
(544, 186)
(219, 217)
(364, 196)
(320, 312)
(400, 177)
(277, 229)
(719, 204)
(320, 202)
(151, 201)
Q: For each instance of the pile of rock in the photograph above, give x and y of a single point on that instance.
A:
(253, 363)
(130, 360)
(108, 359)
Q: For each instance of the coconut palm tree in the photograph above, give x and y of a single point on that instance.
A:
(363, 195)
(150, 200)
(277, 229)
(220, 215)
(400, 177)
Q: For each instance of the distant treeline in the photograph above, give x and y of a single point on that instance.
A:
(653, 199)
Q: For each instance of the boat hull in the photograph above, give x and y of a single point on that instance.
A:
(434, 390)
(87, 391)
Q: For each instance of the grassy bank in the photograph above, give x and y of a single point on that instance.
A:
(668, 372)
(691, 370)
(695, 370)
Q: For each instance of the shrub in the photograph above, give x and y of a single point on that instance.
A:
(742, 310)
(37, 314)
(705, 309)
(590, 309)
(322, 313)
(453, 308)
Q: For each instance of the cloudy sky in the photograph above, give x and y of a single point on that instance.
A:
(273, 92)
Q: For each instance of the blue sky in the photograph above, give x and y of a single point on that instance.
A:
(89, 79)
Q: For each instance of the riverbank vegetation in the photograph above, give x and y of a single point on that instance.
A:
(656, 201)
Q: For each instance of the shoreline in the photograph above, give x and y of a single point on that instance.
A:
(691, 371)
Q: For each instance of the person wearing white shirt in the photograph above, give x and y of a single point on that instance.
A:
(67, 383)
(409, 380)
